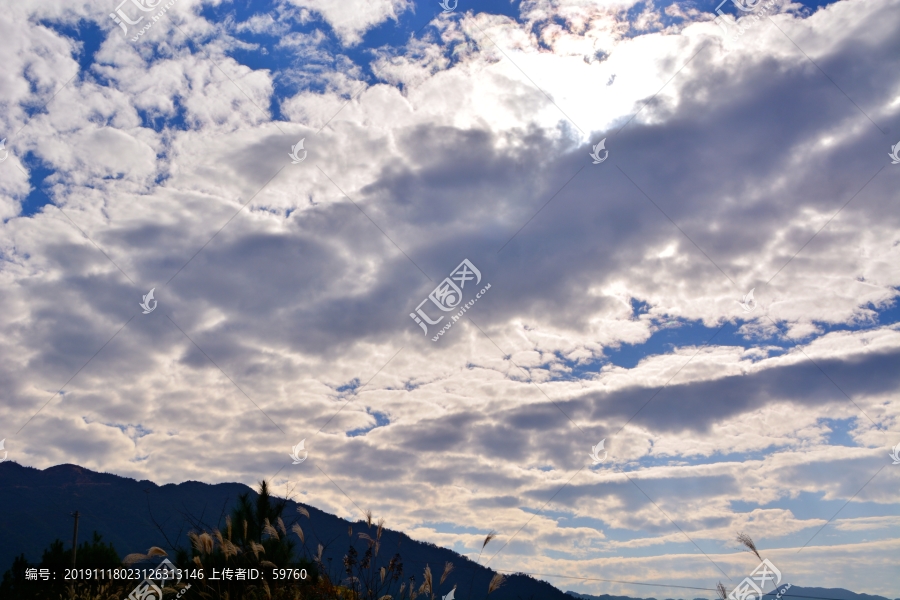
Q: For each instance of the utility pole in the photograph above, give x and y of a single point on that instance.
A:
(75, 537)
(74, 549)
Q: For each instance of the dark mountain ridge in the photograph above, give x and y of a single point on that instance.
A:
(36, 507)
(788, 592)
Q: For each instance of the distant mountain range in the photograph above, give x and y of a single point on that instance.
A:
(793, 593)
(36, 507)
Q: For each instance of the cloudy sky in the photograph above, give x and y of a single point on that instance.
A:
(738, 158)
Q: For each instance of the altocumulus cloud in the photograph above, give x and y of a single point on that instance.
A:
(285, 290)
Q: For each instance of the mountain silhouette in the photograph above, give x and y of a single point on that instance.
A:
(36, 506)
(134, 515)
(793, 593)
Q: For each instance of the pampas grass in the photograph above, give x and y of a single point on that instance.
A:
(138, 557)
(428, 583)
(269, 530)
(747, 543)
(447, 568)
(496, 582)
(202, 543)
(721, 591)
(487, 540)
(257, 548)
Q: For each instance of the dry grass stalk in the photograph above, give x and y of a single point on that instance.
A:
(447, 568)
(369, 518)
(383, 573)
(132, 558)
(137, 556)
(281, 526)
(496, 582)
(721, 591)
(269, 530)
(202, 543)
(428, 581)
(303, 511)
(296, 529)
(487, 540)
(372, 543)
(745, 541)
(230, 549)
(257, 548)
(228, 525)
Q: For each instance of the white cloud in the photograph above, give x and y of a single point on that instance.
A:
(352, 18)
(302, 297)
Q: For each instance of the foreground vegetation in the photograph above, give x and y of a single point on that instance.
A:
(254, 537)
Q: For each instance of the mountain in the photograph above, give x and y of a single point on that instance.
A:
(817, 593)
(36, 507)
(608, 597)
(793, 593)
(134, 515)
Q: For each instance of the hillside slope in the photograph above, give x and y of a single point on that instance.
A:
(135, 515)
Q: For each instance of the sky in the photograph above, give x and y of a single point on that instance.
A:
(675, 240)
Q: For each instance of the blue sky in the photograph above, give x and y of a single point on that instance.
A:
(618, 304)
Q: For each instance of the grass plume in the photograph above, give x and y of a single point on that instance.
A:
(747, 543)
(721, 591)
(447, 568)
(495, 583)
